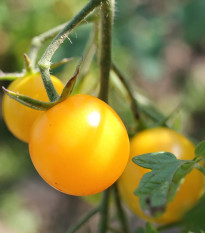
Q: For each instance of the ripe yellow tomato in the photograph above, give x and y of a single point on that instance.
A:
(161, 139)
(80, 146)
(18, 117)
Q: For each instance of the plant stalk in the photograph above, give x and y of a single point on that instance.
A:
(88, 55)
(39, 40)
(107, 12)
(121, 214)
(104, 207)
(45, 61)
(83, 221)
(134, 104)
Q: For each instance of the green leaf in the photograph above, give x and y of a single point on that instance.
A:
(200, 168)
(165, 119)
(140, 230)
(62, 62)
(28, 101)
(158, 187)
(148, 229)
(194, 219)
(151, 112)
(70, 84)
(200, 149)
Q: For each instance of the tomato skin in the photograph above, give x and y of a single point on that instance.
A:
(153, 140)
(18, 117)
(79, 146)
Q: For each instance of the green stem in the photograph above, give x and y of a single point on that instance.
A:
(106, 46)
(39, 40)
(50, 89)
(82, 221)
(156, 117)
(44, 63)
(120, 211)
(10, 76)
(28, 65)
(134, 104)
(97, 37)
(138, 108)
(200, 168)
(104, 206)
(88, 55)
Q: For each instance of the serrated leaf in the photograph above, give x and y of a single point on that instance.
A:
(200, 149)
(158, 187)
(28, 101)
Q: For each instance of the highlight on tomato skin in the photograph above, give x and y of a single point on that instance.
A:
(18, 117)
(154, 140)
(80, 146)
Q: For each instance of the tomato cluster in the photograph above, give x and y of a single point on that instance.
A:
(154, 140)
(80, 146)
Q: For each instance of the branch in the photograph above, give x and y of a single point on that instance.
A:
(106, 47)
(39, 40)
(44, 63)
(103, 225)
(134, 104)
(82, 221)
(120, 211)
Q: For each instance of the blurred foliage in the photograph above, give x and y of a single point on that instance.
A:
(194, 219)
(159, 46)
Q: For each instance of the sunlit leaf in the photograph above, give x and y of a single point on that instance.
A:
(158, 187)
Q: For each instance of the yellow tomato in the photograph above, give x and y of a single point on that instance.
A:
(80, 146)
(154, 140)
(18, 117)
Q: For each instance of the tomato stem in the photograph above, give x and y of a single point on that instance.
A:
(107, 12)
(45, 61)
(39, 40)
(138, 108)
(88, 55)
(120, 211)
(83, 220)
(134, 104)
(104, 211)
(50, 89)
(10, 76)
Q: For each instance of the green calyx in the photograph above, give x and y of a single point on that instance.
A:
(41, 105)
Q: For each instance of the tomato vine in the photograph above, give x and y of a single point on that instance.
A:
(101, 13)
